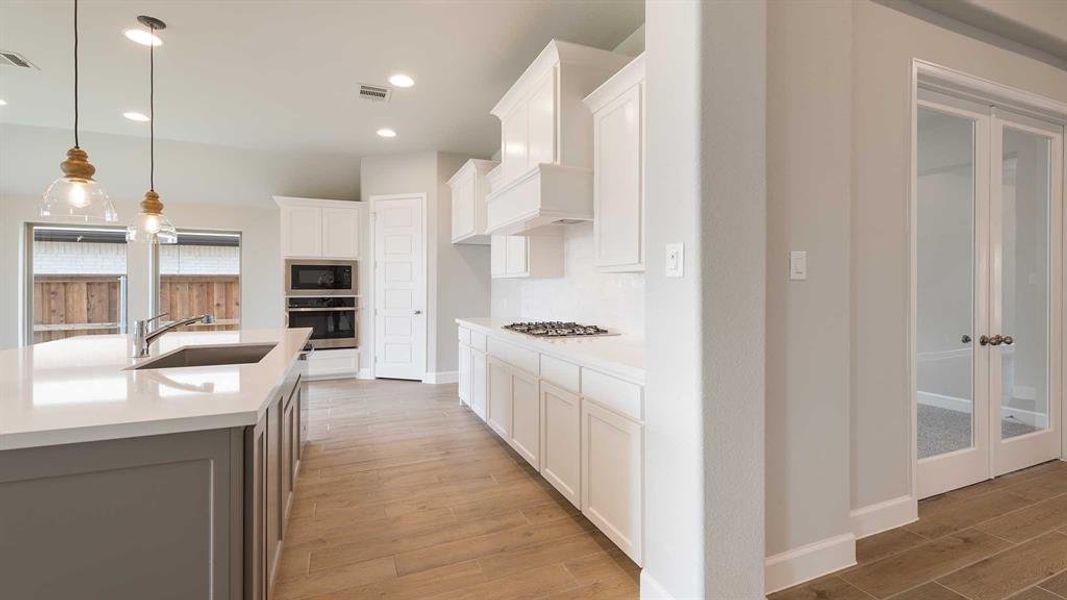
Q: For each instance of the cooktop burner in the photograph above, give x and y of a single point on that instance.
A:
(557, 329)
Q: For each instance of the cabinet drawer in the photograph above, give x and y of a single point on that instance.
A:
(515, 356)
(478, 341)
(560, 373)
(616, 394)
(465, 336)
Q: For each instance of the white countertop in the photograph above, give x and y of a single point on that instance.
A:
(79, 389)
(619, 355)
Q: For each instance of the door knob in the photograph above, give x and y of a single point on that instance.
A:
(418, 312)
(996, 340)
(1008, 340)
(966, 339)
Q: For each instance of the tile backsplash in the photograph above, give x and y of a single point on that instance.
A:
(612, 300)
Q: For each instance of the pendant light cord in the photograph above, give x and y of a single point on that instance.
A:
(152, 112)
(76, 74)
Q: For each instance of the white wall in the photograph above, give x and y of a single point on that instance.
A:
(884, 43)
(704, 421)
(202, 186)
(809, 154)
(457, 275)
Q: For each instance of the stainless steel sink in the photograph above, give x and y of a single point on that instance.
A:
(202, 356)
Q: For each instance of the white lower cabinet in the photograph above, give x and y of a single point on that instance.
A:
(611, 476)
(526, 417)
(499, 384)
(561, 459)
(588, 444)
(479, 384)
(466, 374)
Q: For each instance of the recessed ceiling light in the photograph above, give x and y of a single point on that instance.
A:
(143, 37)
(401, 81)
(136, 116)
(385, 132)
(3, 102)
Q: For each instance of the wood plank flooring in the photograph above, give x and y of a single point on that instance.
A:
(403, 493)
(1005, 538)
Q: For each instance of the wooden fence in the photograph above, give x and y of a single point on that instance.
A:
(70, 305)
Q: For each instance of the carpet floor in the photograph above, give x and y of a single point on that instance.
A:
(942, 430)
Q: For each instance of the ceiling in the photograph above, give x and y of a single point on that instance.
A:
(283, 75)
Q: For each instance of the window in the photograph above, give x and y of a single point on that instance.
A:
(79, 281)
(202, 274)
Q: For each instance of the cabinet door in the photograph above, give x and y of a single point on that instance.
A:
(301, 231)
(516, 256)
(288, 455)
(255, 513)
(499, 417)
(526, 418)
(498, 256)
(464, 374)
(479, 384)
(275, 518)
(340, 232)
(513, 143)
(611, 476)
(561, 458)
(618, 205)
(464, 191)
(541, 119)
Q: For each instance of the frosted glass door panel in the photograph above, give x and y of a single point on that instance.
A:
(1024, 286)
(945, 290)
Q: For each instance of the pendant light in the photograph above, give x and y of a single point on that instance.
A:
(151, 224)
(76, 195)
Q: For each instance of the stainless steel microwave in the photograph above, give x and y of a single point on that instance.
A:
(304, 277)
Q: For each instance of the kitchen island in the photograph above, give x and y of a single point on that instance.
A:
(125, 482)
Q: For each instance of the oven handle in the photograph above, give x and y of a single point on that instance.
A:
(337, 309)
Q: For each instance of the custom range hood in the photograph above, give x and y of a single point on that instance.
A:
(546, 141)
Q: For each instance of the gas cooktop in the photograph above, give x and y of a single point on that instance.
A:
(557, 329)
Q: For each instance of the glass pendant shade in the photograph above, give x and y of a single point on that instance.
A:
(77, 196)
(151, 225)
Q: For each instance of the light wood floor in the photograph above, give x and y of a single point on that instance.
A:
(1005, 538)
(404, 494)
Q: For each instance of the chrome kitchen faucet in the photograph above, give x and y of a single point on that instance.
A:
(142, 338)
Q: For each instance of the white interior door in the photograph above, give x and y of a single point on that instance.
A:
(1026, 299)
(399, 287)
(988, 231)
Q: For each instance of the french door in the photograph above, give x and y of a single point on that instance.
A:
(988, 301)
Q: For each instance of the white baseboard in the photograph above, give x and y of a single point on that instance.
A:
(365, 374)
(1027, 417)
(651, 589)
(946, 402)
(883, 516)
(809, 562)
(441, 377)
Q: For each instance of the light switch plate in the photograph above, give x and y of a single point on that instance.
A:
(798, 265)
(675, 260)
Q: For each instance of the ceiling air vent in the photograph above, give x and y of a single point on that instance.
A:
(14, 59)
(374, 93)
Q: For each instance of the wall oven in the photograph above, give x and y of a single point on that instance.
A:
(320, 277)
(334, 320)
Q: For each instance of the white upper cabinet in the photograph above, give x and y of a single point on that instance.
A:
(313, 228)
(546, 140)
(301, 231)
(618, 169)
(515, 256)
(469, 187)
